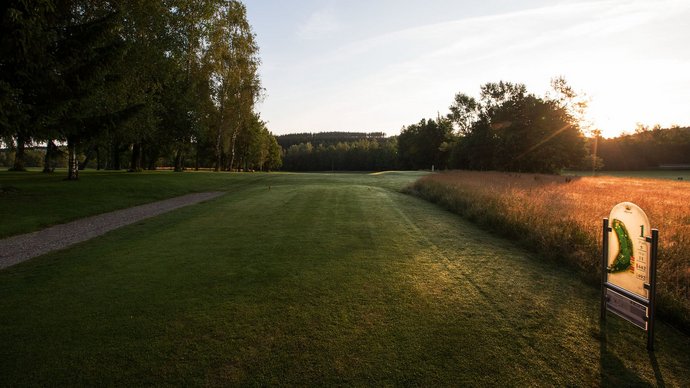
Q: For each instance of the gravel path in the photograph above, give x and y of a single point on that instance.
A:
(23, 247)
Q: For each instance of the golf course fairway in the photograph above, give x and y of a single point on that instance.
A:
(314, 279)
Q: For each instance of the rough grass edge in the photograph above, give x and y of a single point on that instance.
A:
(565, 243)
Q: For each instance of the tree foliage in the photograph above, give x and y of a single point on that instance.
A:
(326, 138)
(232, 61)
(506, 128)
(464, 112)
(364, 154)
(425, 145)
(648, 148)
(510, 129)
(131, 79)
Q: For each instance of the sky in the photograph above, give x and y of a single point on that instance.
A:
(379, 65)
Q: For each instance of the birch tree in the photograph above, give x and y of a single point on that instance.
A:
(232, 60)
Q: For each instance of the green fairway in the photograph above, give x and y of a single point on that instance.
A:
(302, 279)
(30, 201)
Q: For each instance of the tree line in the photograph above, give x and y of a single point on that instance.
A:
(326, 138)
(365, 154)
(509, 129)
(506, 129)
(647, 148)
(126, 83)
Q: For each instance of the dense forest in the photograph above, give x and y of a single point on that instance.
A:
(339, 151)
(360, 155)
(132, 84)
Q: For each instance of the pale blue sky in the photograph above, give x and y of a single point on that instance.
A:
(337, 65)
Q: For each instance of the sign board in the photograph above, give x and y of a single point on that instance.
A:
(628, 309)
(628, 272)
(628, 257)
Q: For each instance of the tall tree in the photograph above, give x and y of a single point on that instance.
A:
(187, 95)
(57, 62)
(421, 145)
(26, 37)
(275, 154)
(87, 49)
(233, 62)
(464, 112)
(518, 131)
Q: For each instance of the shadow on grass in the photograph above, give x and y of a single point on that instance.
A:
(613, 371)
(657, 371)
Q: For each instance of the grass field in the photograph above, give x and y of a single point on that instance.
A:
(306, 279)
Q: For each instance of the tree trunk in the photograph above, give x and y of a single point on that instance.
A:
(48, 164)
(152, 157)
(178, 161)
(86, 160)
(18, 164)
(219, 137)
(196, 159)
(98, 158)
(114, 156)
(232, 148)
(135, 162)
(72, 162)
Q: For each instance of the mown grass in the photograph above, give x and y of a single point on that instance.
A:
(33, 200)
(318, 280)
(562, 220)
(30, 201)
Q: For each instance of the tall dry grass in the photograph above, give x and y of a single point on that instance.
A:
(561, 218)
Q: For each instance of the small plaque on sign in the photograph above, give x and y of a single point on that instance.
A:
(627, 309)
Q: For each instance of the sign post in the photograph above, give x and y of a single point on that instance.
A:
(628, 274)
